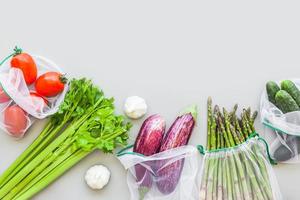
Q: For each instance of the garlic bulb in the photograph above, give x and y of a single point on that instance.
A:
(135, 107)
(97, 177)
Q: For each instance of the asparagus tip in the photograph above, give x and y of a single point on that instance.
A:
(235, 107)
(225, 111)
(216, 109)
(254, 115)
(209, 100)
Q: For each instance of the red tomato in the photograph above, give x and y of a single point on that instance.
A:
(25, 62)
(50, 84)
(15, 120)
(3, 96)
(36, 100)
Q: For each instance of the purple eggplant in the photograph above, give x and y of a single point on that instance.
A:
(168, 174)
(148, 143)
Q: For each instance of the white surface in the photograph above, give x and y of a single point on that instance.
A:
(179, 52)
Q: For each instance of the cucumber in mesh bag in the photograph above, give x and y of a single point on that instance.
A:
(290, 87)
(286, 99)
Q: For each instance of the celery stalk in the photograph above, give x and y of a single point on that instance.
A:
(51, 157)
(15, 166)
(39, 158)
(53, 175)
(46, 171)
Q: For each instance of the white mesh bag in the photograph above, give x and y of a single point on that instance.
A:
(15, 95)
(241, 172)
(169, 175)
(282, 130)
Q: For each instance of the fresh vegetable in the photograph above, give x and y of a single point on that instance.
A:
(26, 64)
(15, 120)
(148, 143)
(135, 107)
(181, 130)
(229, 174)
(84, 123)
(50, 84)
(287, 99)
(150, 136)
(178, 135)
(292, 89)
(39, 102)
(285, 102)
(3, 96)
(97, 177)
(272, 89)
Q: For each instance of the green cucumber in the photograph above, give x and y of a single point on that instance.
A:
(292, 89)
(272, 89)
(285, 102)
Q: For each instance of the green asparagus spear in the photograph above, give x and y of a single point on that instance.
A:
(209, 119)
(245, 185)
(244, 126)
(228, 140)
(232, 114)
(211, 144)
(238, 128)
(252, 119)
(228, 129)
(213, 164)
(247, 121)
(233, 163)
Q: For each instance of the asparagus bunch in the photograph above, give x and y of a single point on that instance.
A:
(233, 173)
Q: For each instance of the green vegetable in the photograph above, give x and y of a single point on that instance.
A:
(292, 89)
(85, 122)
(71, 109)
(285, 102)
(272, 89)
(229, 174)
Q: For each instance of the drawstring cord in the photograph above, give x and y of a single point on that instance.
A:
(123, 152)
(203, 151)
(17, 51)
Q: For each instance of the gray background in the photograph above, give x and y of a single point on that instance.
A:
(172, 53)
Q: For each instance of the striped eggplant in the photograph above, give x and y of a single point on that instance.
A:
(148, 143)
(178, 135)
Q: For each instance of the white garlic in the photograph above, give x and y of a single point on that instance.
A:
(135, 107)
(97, 177)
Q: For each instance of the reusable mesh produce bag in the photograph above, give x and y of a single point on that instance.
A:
(282, 130)
(149, 177)
(240, 172)
(17, 92)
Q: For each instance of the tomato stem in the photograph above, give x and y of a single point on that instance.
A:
(17, 51)
(63, 78)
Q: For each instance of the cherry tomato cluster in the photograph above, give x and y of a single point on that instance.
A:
(49, 84)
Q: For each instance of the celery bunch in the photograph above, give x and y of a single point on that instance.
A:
(85, 122)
